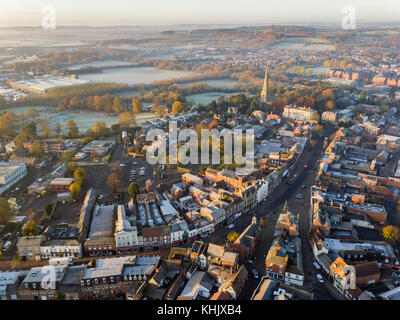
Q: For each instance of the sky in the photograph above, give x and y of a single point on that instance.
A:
(172, 12)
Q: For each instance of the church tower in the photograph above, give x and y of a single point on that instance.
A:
(265, 90)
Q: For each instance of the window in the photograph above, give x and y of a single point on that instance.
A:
(87, 282)
(104, 280)
(96, 281)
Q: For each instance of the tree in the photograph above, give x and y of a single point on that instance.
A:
(75, 103)
(330, 105)
(391, 233)
(73, 130)
(32, 113)
(178, 107)
(49, 208)
(6, 212)
(80, 175)
(114, 181)
(317, 131)
(118, 105)
(100, 129)
(44, 128)
(127, 119)
(136, 105)
(37, 149)
(133, 189)
(30, 229)
(58, 129)
(232, 236)
(75, 190)
(363, 97)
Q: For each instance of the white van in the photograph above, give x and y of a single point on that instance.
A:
(6, 246)
(316, 265)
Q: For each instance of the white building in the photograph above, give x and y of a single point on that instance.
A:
(329, 116)
(298, 113)
(10, 147)
(126, 233)
(60, 248)
(262, 191)
(10, 174)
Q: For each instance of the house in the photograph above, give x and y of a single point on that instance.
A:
(245, 244)
(61, 184)
(157, 286)
(367, 273)
(269, 289)
(70, 285)
(236, 283)
(28, 248)
(200, 283)
(41, 283)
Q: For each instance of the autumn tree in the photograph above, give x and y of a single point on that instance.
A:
(136, 105)
(32, 113)
(391, 233)
(80, 175)
(133, 189)
(73, 130)
(58, 129)
(6, 212)
(100, 129)
(75, 190)
(30, 229)
(330, 105)
(178, 107)
(37, 149)
(118, 105)
(232, 236)
(127, 119)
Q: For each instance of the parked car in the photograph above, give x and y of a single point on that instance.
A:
(255, 274)
(122, 165)
(299, 196)
(320, 278)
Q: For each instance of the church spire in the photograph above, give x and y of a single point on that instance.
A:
(265, 90)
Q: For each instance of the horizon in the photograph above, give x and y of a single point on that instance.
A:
(123, 13)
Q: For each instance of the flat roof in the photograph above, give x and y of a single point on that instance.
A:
(46, 83)
(102, 222)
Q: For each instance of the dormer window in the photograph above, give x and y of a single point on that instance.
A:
(104, 280)
(96, 281)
